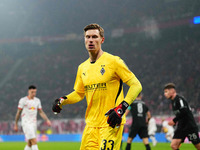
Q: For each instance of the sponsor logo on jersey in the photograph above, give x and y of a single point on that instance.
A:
(140, 115)
(32, 108)
(98, 86)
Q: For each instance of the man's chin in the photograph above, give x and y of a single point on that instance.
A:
(91, 50)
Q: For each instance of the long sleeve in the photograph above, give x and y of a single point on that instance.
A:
(135, 88)
(180, 114)
(72, 98)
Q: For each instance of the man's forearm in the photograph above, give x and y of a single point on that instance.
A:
(72, 98)
(17, 116)
(16, 119)
(43, 115)
(134, 89)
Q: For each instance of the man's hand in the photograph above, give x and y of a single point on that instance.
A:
(56, 108)
(115, 114)
(15, 127)
(48, 123)
(171, 123)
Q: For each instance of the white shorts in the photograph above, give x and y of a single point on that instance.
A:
(152, 132)
(30, 130)
(170, 133)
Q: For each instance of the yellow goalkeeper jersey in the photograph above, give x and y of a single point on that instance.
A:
(102, 84)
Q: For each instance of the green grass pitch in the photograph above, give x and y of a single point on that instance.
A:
(76, 145)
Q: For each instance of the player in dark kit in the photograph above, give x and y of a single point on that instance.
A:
(186, 125)
(138, 111)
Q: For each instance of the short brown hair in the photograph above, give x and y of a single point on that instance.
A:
(95, 26)
(32, 87)
(169, 86)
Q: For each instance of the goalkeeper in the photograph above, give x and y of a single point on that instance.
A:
(100, 79)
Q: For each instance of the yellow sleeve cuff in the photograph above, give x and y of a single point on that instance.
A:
(72, 98)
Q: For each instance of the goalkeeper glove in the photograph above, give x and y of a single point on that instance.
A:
(56, 104)
(115, 114)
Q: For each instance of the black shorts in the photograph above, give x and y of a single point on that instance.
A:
(140, 130)
(192, 135)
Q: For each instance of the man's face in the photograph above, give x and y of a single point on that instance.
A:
(93, 40)
(32, 93)
(168, 93)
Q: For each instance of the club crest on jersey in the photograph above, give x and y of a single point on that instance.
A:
(102, 71)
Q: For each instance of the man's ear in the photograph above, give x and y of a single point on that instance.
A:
(102, 41)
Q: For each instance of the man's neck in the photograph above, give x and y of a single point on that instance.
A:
(173, 96)
(29, 97)
(94, 56)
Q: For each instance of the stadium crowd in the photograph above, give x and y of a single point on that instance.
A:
(52, 71)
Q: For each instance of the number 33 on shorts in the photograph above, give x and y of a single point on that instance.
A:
(107, 145)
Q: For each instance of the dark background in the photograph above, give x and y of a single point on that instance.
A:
(41, 43)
